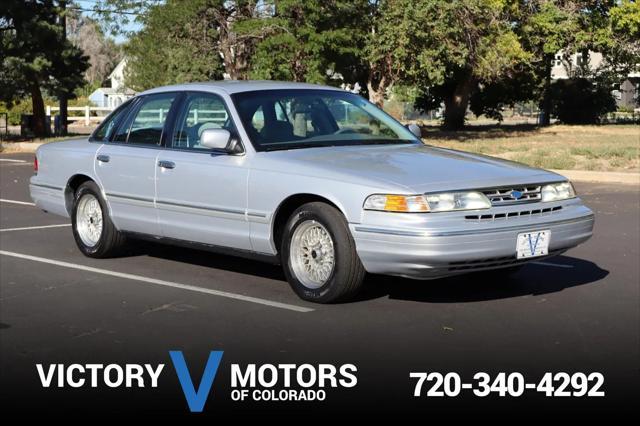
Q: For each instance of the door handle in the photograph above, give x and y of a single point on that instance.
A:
(103, 158)
(166, 164)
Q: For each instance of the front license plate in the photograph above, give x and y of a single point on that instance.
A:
(532, 244)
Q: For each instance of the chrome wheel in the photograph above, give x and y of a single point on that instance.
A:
(89, 220)
(312, 256)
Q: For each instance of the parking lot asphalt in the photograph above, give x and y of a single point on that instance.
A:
(576, 312)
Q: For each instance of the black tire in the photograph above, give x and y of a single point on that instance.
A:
(348, 273)
(111, 240)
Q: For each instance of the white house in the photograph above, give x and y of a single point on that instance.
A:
(115, 95)
(565, 66)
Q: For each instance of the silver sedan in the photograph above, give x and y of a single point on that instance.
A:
(315, 178)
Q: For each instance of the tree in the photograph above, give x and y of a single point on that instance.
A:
(238, 47)
(466, 44)
(569, 27)
(517, 86)
(625, 23)
(36, 56)
(302, 41)
(580, 101)
(393, 35)
(619, 38)
(212, 20)
(104, 54)
(178, 44)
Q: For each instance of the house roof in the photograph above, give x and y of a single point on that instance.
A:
(111, 91)
(121, 64)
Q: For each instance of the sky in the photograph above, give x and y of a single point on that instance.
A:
(89, 4)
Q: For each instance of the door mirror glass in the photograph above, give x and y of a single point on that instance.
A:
(415, 129)
(215, 139)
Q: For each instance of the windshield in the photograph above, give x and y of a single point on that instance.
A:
(302, 118)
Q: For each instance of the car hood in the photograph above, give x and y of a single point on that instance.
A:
(413, 168)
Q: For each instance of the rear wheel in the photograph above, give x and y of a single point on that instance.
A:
(95, 234)
(319, 255)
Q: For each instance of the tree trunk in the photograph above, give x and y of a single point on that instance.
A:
(545, 116)
(64, 103)
(457, 101)
(39, 123)
(63, 95)
(377, 90)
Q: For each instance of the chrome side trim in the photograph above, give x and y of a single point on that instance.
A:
(42, 185)
(524, 227)
(161, 203)
(129, 197)
(174, 205)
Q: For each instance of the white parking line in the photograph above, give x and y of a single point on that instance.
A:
(11, 160)
(160, 282)
(28, 228)
(557, 265)
(22, 203)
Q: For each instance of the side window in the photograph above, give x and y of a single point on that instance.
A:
(200, 112)
(107, 127)
(145, 125)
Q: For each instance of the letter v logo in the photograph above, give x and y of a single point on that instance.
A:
(196, 399)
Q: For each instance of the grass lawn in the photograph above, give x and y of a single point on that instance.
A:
(601, 148)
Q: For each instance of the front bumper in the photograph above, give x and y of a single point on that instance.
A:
(426, 246)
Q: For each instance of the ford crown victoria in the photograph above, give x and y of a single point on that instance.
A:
(314, 178)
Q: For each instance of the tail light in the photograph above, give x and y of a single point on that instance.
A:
(35, 165)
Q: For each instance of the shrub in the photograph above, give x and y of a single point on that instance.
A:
(580, 101)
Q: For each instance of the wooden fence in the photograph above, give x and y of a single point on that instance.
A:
(146, 116)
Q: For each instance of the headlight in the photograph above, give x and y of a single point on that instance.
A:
(557, 191)
(451, 201)
(441, 202)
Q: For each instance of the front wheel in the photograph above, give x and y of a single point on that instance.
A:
(319, 255)
(95, 234)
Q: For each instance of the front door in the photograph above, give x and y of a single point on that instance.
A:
(202, 195)
(126, 166)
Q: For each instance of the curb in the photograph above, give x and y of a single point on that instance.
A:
(601, 177)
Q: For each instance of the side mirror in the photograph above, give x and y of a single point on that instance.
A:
(215, 139)
(415, 129)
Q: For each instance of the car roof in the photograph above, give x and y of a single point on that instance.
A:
(238, 86)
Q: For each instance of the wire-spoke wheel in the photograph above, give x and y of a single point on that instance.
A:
(89, 220)
(95, 234)
(319, 255)
(312, 254)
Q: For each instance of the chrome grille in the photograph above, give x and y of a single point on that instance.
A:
(513, 195)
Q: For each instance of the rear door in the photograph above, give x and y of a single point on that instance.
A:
(202, 194)
(126, 165)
